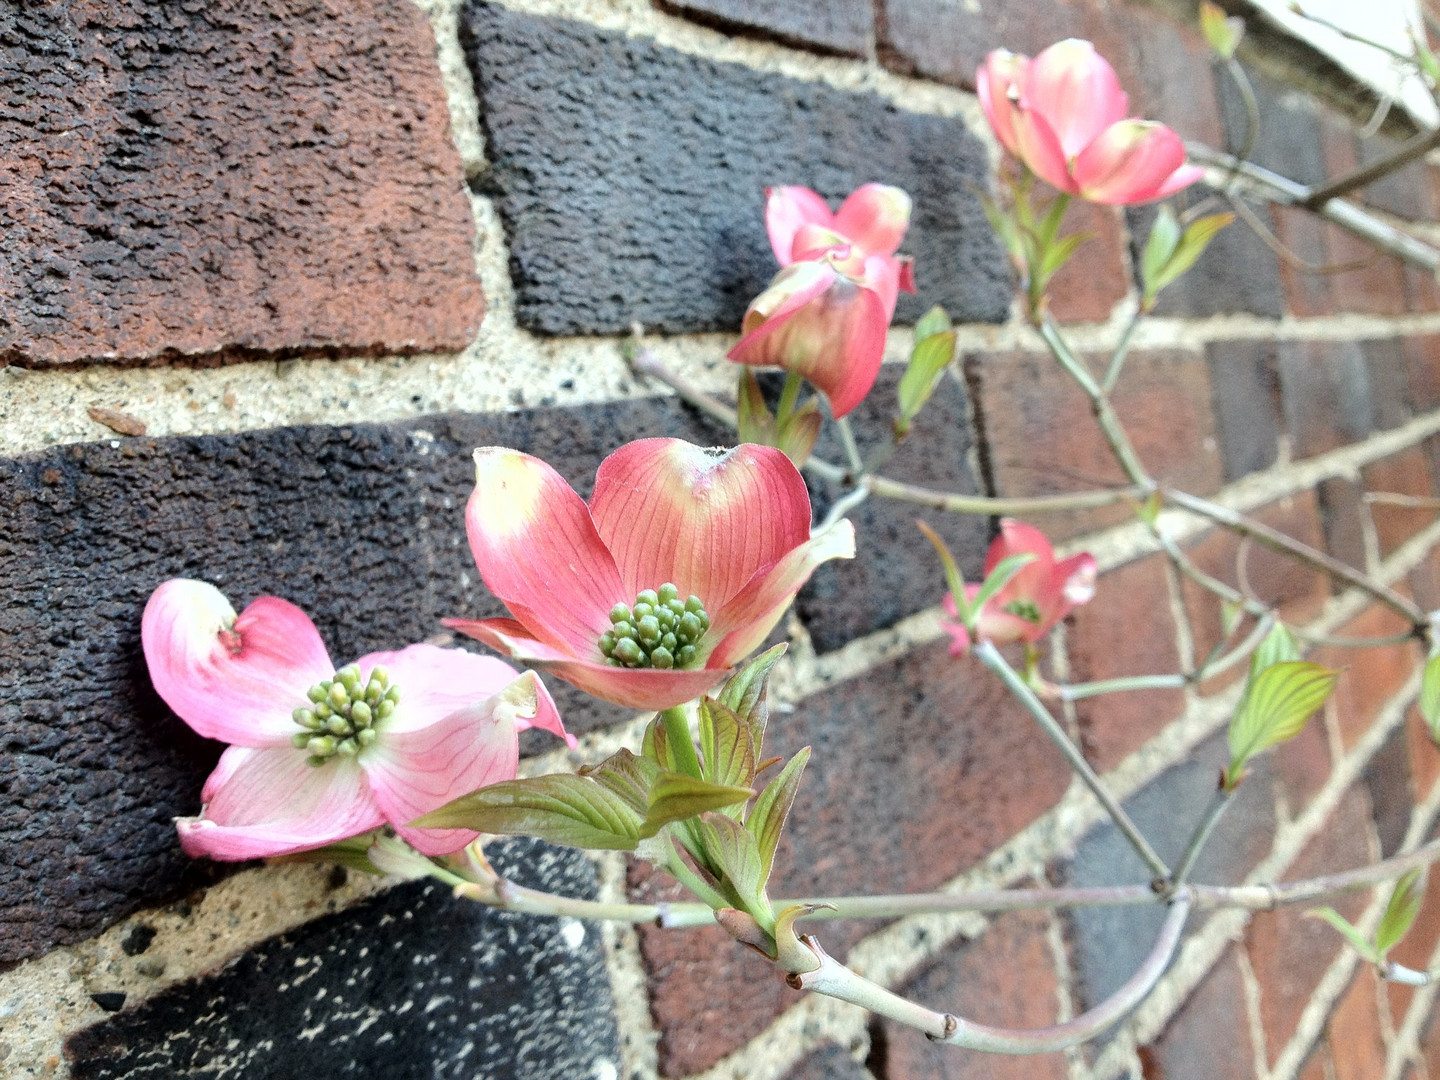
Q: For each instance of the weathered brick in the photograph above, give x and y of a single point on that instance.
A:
(1208, 1038)
(1304, 277)
(1289, 951)
(1128, 629)
(1298, 591)
(920, 767)
(1343, 513)
(95, 766)
(947, 41)
(1387, 779)
(1376, 285)
(1004, 978)
(630, 177)
(1096, 279)
(1041, 438)
(841, 26)
(1238, 273)
(1424, 755)
(1407, 192)
(1287, 140)
(1389, 392)
(1325, 389)
(229, 180)
(1318, 1065)
(1302, 766)
(1110, 943)
(408, 985)
(1370, 678)
(1405, 473)
(1422, 367)
(895, 571)
(830, 1062)
(1246, 392)
(1357, 1046)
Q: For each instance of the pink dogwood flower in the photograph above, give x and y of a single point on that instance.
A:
(318, 756)
(1064, 115)
(1029, 605)
(678, 568)
(826, 313)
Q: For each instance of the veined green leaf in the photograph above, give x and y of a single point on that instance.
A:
(935, 321)
(563, 808)
(928, 361)
(1223, 33)
(733, 852)
(1277, 647)
(1057, 254)
(1193, 243)
(727, 752)
(953, 579)
(675, 796)
(1430, 696)
(1274, 708)
(797, 436)
(1400, 912)
(1161, 244)
(1354, 937)
(628, 776)
(767, 820)
(746, 694)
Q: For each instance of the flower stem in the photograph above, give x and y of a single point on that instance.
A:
(991, 658)
(1079, 691)
(788, 396)
(852, 449)
(644, 362)
(1068, 360)
(1122, 350)
(680, 741)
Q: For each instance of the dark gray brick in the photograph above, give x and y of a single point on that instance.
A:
(1110, 943)
(408, 985)
(630, 178)
(830, 1062)
(1389, 387)
(1387, 777)
(1246, 393)
(362, 526)
(840, 26)
(1325, 389)
(1287, 140)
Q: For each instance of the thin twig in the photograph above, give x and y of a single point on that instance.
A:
(1200, 837)
(1122, 350)
(645, 362)
(1412, 502)
(1414, 148)
(852, 449)
(995, 504)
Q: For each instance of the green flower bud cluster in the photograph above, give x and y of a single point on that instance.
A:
(342, 713)
(1024, 609)
(658, 631)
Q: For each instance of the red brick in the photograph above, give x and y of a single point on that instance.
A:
(1307, 287)
(1369, 677)
(231, 179)
(920, 768)
(1302, 766)
(1006, 978)
(1318, 1065)
(1128, 629)
(1405, 473)
(1288, 951)
(1208, 1038)
(1298, 591)
(1377, 285)
(1417, 949)
(1357, 1045)
(1043, 438)
(1424, 756)
(830, 1062)
(943, 40)
(1422, 290)
(1430, 1047)
(1422, 367)
(1096, 279)
(1344, 513)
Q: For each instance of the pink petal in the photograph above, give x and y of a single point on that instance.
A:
(1018, 538)
(236, 679)
(885, 274)
(1072, 583)
(538, 551)
(813, 241)
(742, 624)
(417, 770)
(1040, 149)
(786, 210)
(1179, 180)
(997, 83)
(510, 637)
(1077, 92)
(789, 291)
(670, 511)
(435, 682)
(959, 636)
(1130, 162)
(1001, 627)
(273, 802)
(646, 689)
(874, 218)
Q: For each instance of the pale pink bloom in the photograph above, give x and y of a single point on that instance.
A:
(1041, 594)
(729, 529)
(1064, 115)
(450, 730)
(801, 225)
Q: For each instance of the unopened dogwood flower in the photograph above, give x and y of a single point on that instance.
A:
(680, 565)
(1040, 594)
(319, 755)
(826, 313)
(1063, 114)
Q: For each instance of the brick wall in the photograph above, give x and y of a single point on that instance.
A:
(249, 250)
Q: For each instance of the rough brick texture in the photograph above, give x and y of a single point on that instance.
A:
(1246, 391)
(943, 40)
(228, 179)
(842, 26)
(94, 766)
(408, 985)
(1208, 1038)
(923, 755)
(614, 152)
(1368, 681)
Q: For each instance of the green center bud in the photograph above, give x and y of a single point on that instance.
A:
(342, 712)
(1024, 609)
(659, 630)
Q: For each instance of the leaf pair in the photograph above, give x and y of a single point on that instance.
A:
(1171, 250)
(970, 608)
(793, 435)
(1033, 240)
(1399, 916)
(933, 351)
(1281, 693)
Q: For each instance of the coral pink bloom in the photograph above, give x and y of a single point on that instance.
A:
(708, 548)
(1041, 594)
(1064, 115)
(319, 756)
(826, 313)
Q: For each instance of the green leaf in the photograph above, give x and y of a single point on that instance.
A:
(1353, 936)
(953, 579)
(1005, 228)
(726, 748)
(675, 796)
(655, 744)
(798, 434)
(1278, 647)
(352, 853)
(1058, 254)
(1048, 227)
(767, 820)
(754, 423)
(1400, 912)
(1222, 33)
(928, 361)
(1231, 612)
(746, 694)
(1164, 237)
(1430, 696)
(1274, 708)
(1192, 245)
(1425, 59)
(1004, 570)
(626, 775)
(562, 808)
(935, 321)
(1149, 510)
(733, 852)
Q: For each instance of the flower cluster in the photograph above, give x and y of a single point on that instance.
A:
(826, 313)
